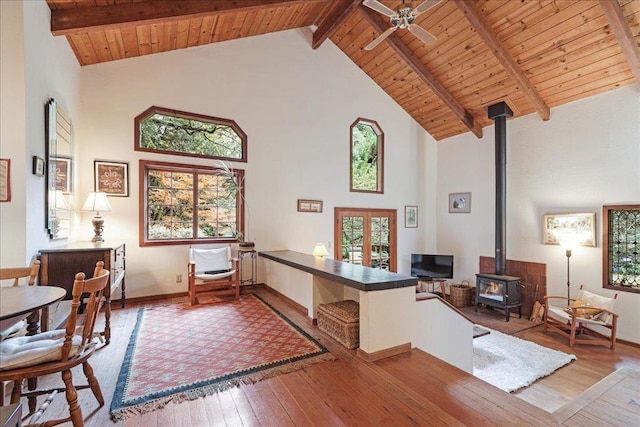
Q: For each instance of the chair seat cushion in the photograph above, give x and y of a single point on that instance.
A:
(12, 329)
(207, 277)
(21, 352)
(561, 313)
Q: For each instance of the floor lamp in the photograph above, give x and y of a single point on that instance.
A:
(568, 247)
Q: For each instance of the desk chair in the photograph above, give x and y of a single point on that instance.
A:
(213, 271)
(58, 351)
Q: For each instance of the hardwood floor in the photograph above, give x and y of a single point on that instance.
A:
(410, 389)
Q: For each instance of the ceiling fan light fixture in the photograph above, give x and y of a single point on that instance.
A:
(402, 18)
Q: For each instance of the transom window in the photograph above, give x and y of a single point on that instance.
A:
(188, 134)
(621, 247)
(366, 157)
(190, 204)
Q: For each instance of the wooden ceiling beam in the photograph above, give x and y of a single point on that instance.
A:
(404, 52)
(341, 11)
(479, 23)
(621, 30)
(81, 20)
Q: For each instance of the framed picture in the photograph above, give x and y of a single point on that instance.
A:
(38, 166)
(410, 217)
(111, 177)
(577, 228)
(459, 202)
(61, 166)
(5, 180)
(309, 205)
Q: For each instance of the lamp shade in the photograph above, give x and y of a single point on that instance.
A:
(97, 202)
(320, 250)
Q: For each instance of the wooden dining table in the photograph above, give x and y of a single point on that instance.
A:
(19, 302)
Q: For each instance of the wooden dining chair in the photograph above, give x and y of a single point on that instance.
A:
(213, 270)
(28, 277)
(59, 351)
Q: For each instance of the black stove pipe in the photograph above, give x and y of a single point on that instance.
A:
(499, 113)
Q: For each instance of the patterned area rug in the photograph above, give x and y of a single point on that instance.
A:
(179, 352)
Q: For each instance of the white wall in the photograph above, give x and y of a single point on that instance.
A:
(586, 156)
(295, 104)
(35, 67)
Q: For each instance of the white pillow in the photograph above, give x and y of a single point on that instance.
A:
(595, 300)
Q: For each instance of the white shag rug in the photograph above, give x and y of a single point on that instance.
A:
(511, 363)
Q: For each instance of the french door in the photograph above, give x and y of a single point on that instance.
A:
(366, 236)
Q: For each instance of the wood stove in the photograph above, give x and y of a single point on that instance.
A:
(498, 290)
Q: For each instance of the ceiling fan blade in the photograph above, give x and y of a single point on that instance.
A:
(424, 6)
(379, 7)
(422, 34)
(380, 38)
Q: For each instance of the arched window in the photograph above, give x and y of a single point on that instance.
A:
(366, 157)
(162, 130)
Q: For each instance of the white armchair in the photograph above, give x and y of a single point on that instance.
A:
(214, 271)
(578, 321)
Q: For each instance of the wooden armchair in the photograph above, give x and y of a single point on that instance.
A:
(58, 351)
(578, 321)
(18, 274)
(213, 271)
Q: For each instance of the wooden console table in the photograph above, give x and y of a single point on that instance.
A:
(58, 266)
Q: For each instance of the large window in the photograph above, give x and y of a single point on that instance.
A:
(621, 247)
(366, 157)
(188, 134)
(190, 204)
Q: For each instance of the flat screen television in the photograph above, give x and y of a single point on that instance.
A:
(424, 266)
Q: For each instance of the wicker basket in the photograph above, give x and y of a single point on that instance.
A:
(461, 294)
(341, 320)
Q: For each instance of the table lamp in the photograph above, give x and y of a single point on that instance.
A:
(320, 250)
(97, 202)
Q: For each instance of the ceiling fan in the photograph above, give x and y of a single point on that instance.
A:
(402, 18)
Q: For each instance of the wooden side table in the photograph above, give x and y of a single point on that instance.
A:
(435, 284)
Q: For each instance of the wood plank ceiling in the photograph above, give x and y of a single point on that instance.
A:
(533, 54)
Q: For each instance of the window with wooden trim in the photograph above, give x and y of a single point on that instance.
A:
(190, 204)
(366, 157)
(162, 130)
(621, 247)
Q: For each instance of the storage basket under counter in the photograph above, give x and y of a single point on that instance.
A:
(341, 321)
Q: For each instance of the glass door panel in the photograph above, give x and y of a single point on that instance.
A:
(352, 239)
(367, 237)
(379, 238)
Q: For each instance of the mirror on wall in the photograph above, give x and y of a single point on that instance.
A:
(59, 171)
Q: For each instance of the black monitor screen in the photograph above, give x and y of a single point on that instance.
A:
(432, 266)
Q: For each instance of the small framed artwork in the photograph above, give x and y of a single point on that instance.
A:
(111, 177)
(575, 228)
(5, 180)
(309, 205)
(410, 217)
(459, 202)
(38, 166)
(61, 166)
